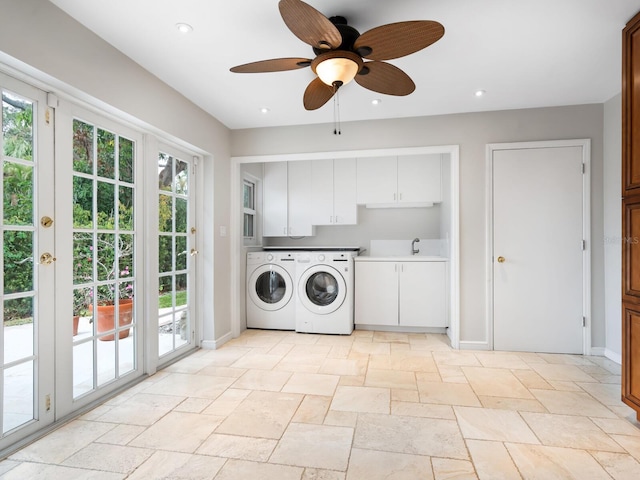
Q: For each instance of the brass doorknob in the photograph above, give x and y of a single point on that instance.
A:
(500, 259)
(47, 259)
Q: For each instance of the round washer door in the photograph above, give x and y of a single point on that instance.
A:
(270, 287)
(322, 289)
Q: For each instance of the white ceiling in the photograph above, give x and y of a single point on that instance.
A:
(524, 53)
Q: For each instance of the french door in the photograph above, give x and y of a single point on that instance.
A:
(28, 246)
(177, 253)
(99, 331)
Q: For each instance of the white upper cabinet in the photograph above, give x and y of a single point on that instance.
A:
(287, 199)
(274, 200)
(419, 179)
(377, 180)
(408, 180)
(333, 192)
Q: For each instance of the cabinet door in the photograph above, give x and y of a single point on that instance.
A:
(376, 293)
(322, 192)
(274, 203)
(345, 209)
(419, 178)
(377, 180)
(423, 294)
(300, 199)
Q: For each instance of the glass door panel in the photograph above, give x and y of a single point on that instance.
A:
(104, 281)
(26, 366)
(176, 251)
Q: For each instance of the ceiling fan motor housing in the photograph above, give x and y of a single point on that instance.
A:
(349, 35)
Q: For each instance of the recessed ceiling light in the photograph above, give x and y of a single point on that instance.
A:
(480, 93)
(264, 110)
(376, 101)
(184, 27)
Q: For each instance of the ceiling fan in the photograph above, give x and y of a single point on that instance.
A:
(342, 54)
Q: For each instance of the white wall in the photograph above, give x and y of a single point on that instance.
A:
(38, 38)
(472, 132)
(612, 241)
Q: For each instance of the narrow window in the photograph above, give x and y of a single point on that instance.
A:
(249, 199)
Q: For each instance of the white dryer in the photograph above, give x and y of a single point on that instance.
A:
(270, 290)
(325, 281)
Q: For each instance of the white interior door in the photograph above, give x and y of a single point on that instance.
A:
(537, 258)
(27, 366)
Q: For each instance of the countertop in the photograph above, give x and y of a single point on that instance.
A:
(401, 258)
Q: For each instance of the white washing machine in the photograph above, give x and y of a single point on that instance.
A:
(325, 281)
(270, 290)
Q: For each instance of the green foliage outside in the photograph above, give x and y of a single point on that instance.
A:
(98, 203)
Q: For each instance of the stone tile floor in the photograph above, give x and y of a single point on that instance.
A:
(374, 405)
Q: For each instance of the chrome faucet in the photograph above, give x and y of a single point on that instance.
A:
(414, 250)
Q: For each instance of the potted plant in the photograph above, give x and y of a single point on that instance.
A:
(114, 291)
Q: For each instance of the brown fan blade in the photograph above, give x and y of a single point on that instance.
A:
(273, 65)
(398, 39)
(317, 94)
(309, 25)
(385, 78)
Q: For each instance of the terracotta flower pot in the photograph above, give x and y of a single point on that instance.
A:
(105, 318)
(76, 322)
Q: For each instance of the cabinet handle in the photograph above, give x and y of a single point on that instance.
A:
(400, 196)
(394, 197)
(336, 219)
(331, 219)
(284, 230)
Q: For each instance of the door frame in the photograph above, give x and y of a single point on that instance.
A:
(585, 144)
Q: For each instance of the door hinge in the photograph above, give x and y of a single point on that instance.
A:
(584, 321)
(584, 245)
(47, 402)
(584, 168)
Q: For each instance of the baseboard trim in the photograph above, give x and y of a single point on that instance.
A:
(467, 345)
(613, 356)
(215, 344)
(597, 351)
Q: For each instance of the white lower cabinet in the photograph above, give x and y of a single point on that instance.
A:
(411, 294)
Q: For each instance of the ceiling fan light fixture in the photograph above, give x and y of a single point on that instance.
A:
(337, 67)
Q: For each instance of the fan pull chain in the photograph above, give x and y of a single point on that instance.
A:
(336, 111)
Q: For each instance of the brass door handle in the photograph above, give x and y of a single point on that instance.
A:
(193, 252)
(501, 259)
(47, 259)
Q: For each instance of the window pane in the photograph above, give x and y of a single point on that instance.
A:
(125, 256)
(248, 195)
(164, 253)
(18, 396)
(106, 206)
(125, 208)
(82, 368)
(165, 171)
(181, 215)
(82, 147)
(182, 178)
(106, 154)
(18, 329)
(181, 253)
(165, 213)
(106, 264)
(18, 194)
(82, 202)
(18, 261)
(181, 290)
(248, 225)
(82, 258)
(126, 160)
(17, 126)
